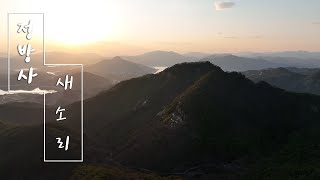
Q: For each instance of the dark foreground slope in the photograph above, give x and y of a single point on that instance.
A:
(197, 115)
(192, 120)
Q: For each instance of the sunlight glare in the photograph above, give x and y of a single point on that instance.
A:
(75, 22)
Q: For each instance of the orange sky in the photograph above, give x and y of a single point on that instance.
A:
(126, 27)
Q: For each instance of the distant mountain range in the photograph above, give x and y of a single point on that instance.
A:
(97, 78)
(232, 62)
(290, 79)
(228, 62)
(118, 69)
(17, 62)
(285, 54)
(159, 58)
(294, 62)
(93, 85)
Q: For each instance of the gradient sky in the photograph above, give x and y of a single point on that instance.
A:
(178, 25)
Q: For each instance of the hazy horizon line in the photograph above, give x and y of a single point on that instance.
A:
(181, 53)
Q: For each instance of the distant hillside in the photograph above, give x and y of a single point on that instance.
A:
(287, 54)
(196, 55)
(303, 71)
(159, 58)
(294, 62)
(92, 85)
(229, 62)
(290, 79)
(16, 62)
(92, 82)
(118, 69)
(43, 80)
(298, 59)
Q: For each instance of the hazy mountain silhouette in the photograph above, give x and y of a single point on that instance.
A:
(229, 62)
(291, 79)
(113, 70)
(93, 84)
(118, 69)
(17, 62)
(303, 71)
(196, 55)
(238, 62)
(286, 54)
(294, 62)
(159, 58)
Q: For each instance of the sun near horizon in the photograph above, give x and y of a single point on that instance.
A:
(131, 27)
